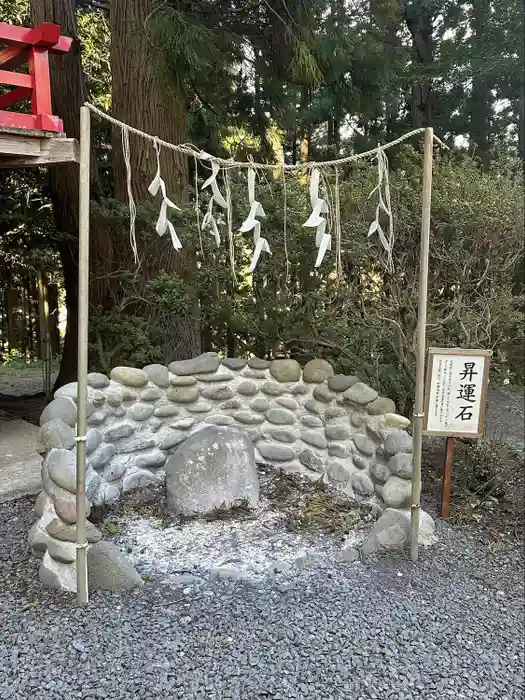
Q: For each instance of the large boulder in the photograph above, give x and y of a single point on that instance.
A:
(214, 468)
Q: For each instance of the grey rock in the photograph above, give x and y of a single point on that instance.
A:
(119, 431)
(257, 363)
(364, 444)
(381, 405)
(234, 363)
(61, 468)
(341, 382)
(66, 507)
(275, 452)
(317, 371)
(333, 412)
(64, 409)
(68, 533)
(359, 461)
(231, 405)
(218, 393)
(280, 416)
(155, 423)
(64, 552)
(166, 410)
(151, 393)
(315, 438)
(129, 376)
(357, 420)
(97, 380)
(254, 373)
(67, 391)
(363, 484)
(285, 370)
(340, 449)
(214, 468)
(41, 501)
(338, 471)
(93, 440)
(337, 432)
(97, 418)
(139, 478)
(93, 484)
(300, 390)
(203, 364)
(110, 570)
(172, 440)
(314, 407)
(287, 402)
(141, 411)
(108, 493)
(222, 375)
(158, 374)
(396, 492)
(102, 455)
(129, 393)
(52, 575)
(183, 381)
(150, 460)
(228, 572)
(114, 397)
(248, 418)
(182, 394)
(401, 465)
(200, 407)
(323, 393)
(183, 424)
(398, 441)
(283, 435)
(379, 471)
(311, 421)
(272, 389)
(55, 434)
(312, 460)
(220, 419)
(247, 388)
(260, 404)
(393, 420)
(360, 394)
(135, 443)
(98, 397)
(391, 532)
(117, 467)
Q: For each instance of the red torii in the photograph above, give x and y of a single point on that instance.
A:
(31, 46)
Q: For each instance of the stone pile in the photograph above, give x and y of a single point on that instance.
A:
(306, 420)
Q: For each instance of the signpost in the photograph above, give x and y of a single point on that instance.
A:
(455, 402)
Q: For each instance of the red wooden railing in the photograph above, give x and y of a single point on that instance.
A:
(31, 46)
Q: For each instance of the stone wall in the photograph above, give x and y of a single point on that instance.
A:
(308, 420)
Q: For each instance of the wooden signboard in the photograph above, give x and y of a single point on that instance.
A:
(455, 401)
(456, 392)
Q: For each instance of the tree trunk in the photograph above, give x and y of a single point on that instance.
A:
(68, 92)
(142, 97)
(481, 100)
(304, 145)
(419, 20)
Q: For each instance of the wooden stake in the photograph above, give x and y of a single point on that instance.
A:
(421, 343)
(45, 342)
(83, 318)
(446, 490)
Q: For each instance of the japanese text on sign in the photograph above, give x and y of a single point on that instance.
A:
(456, 392)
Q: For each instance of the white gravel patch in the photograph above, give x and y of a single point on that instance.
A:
(252, 548)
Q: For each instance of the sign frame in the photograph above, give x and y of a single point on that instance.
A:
(457, 352)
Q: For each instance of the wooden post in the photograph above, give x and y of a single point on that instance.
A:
(446, 490)
(45, 344)
(421, 343)
(83, 318)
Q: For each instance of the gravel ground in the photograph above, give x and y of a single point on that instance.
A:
(450, 627)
